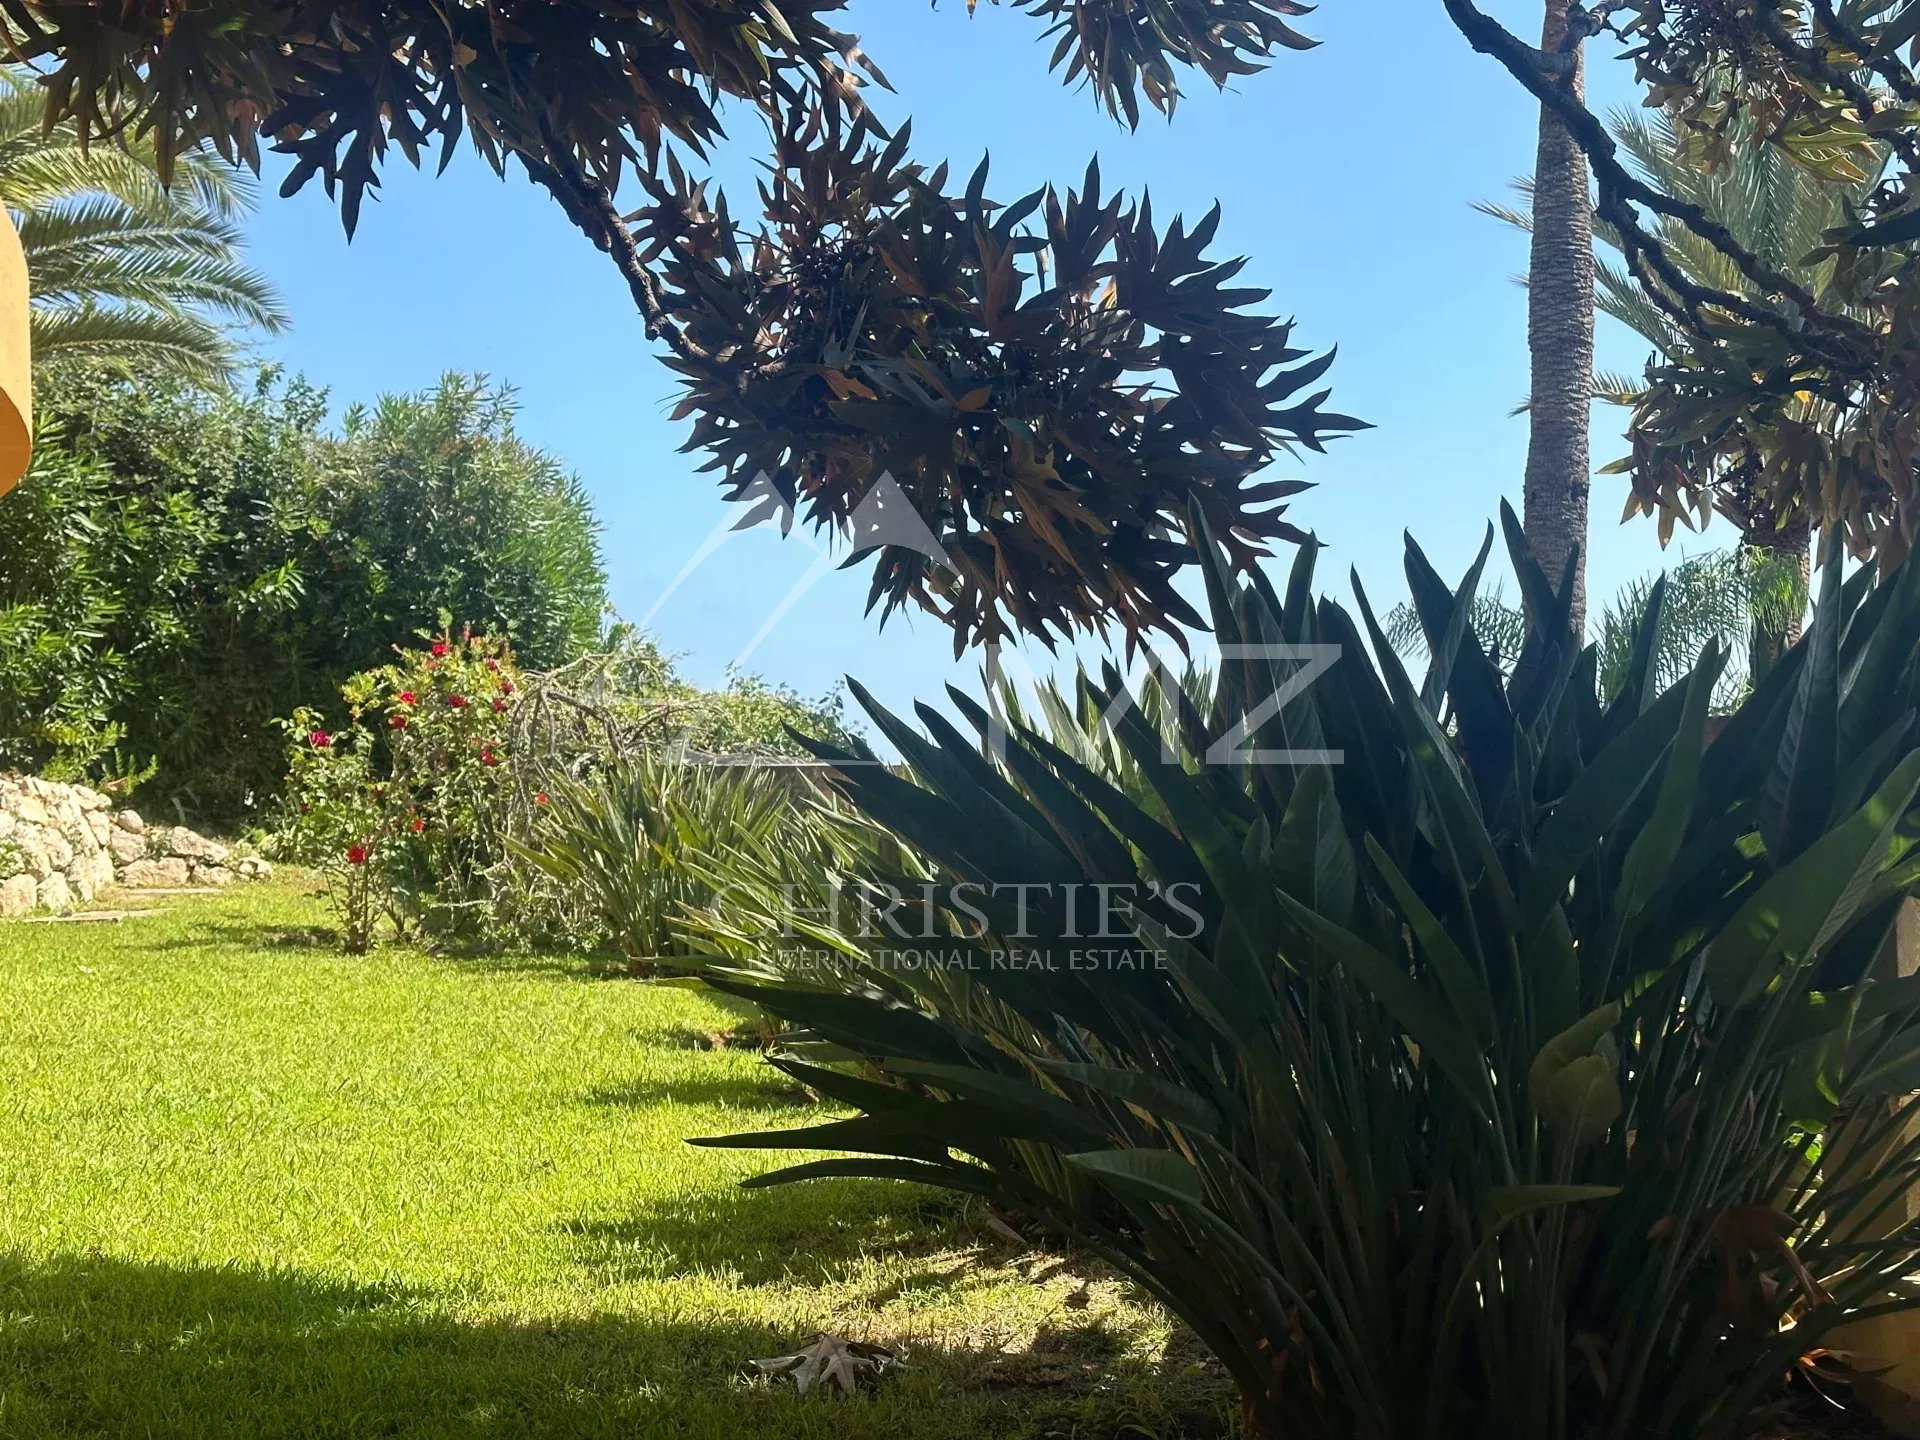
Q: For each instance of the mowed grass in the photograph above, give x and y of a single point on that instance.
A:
(252, 1187)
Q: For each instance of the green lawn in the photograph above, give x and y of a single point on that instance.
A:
(251, 1187)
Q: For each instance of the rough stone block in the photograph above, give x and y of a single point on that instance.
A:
(55, 894)
(167, 874)
(192, 846)
(18, 895)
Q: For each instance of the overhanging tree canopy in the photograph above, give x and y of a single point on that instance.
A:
(1829, 86)
(1054, 383)
(778, 365)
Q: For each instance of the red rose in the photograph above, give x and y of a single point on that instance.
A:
(406, 697)
(439, 649)
(542, 798)
(417, 826)
(506, 687)
(499, 705)
(319, 739)
(458, 702)
(486, 755)
(356, 854)
(493, 664)
(397, 722)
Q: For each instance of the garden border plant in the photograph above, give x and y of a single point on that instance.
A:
(1527, 1074)
(486, 805)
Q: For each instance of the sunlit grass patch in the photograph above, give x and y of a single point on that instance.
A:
(252, 1187)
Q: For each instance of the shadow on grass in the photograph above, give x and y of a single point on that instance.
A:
(240, 934)
(814, 1235)
(762, 1088)
(103, 1347)
(473, 957)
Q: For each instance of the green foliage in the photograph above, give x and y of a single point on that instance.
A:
(57, 690)
(1725, 597)
(124, 271)
(1521, 1074)
(451, 517)
(639, 687)
(407, 810)
(336, 98)
(1129, 50)
(473, 800)
(1050, 399)
(1053, 383)
(638, 838)
(1765, 472)
(184, 569)
(1784, 393)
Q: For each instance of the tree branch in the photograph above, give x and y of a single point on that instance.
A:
(1584, 22)
(590, 206)
(1838, 338)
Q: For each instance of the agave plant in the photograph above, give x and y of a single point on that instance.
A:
(634, 838)
(1526, 1073)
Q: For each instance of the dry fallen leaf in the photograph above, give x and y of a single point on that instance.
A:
(831, 1360)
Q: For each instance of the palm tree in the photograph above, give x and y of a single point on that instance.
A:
(121, 269)
(1779, 210)
(1560, 338)
(1731, 596)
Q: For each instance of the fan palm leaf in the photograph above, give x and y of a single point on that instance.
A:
(122, 269)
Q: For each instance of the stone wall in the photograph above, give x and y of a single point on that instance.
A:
(61, 845)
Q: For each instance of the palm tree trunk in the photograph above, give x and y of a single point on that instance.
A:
(1560, 342)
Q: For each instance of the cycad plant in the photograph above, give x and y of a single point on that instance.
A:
(123, 270)
(1524, 1073)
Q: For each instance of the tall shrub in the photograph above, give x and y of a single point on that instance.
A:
(1526, 1073)
(184, 569)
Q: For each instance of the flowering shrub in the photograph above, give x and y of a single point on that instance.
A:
(406, 811)
(339, 829)
(457, 778)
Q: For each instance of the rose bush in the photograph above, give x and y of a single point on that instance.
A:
(406, 810)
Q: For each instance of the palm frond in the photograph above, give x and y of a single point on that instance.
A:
(133, 339)
(117, 259)
(1617, 388)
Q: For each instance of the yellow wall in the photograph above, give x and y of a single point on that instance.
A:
(16, 360)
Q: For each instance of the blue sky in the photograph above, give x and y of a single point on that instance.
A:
(1346, 174)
